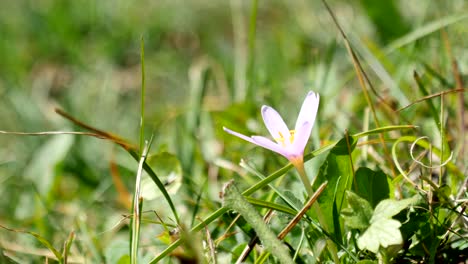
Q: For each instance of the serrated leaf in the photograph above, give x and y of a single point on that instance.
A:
(359, 212)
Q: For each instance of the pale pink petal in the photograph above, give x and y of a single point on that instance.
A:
(246, 138)
(308, 110)
(259, 141)
(268, 144)
(301, 137)
(275, 124)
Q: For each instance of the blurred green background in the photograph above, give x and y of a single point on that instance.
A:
(207, 66)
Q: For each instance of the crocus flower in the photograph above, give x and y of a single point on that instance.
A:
(289, 143)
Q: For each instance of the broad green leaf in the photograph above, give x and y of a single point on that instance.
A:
(359, 212)
(383, 230)
(338, 172)
(371, 185)
(344, 146)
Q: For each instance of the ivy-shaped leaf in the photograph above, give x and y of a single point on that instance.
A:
(359, 212)
(382, 233)
(383, 230)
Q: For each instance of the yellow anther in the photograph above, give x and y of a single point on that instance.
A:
(291, 138)
(281, 138)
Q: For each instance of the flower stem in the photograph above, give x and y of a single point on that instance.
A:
(308, 186)
(305, 180)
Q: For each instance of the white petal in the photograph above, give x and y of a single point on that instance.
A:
(246, 138)
(308, 110)
(268, 144)
(259, 141)
(275, 124)
(301, 137)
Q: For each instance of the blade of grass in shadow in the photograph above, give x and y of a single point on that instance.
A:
(216, 214)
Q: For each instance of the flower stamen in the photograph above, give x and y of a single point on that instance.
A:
(280, 139)
(291, 138)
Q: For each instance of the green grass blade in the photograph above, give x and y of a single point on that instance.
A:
(270, 205)
(143, 89)
(158, 183)
(137, 207)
